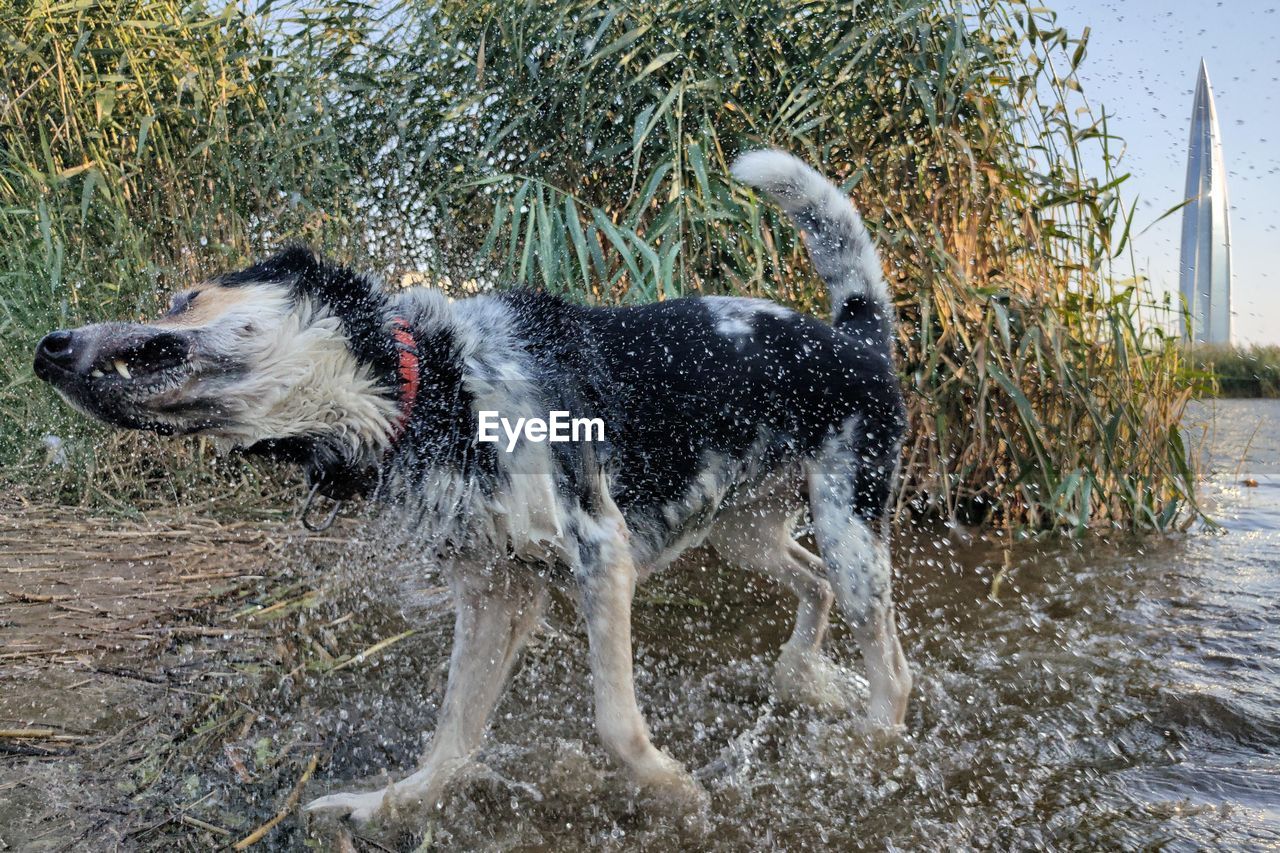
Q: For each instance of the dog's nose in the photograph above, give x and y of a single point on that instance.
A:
(58, 347)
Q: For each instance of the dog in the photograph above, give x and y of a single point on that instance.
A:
(724, 417)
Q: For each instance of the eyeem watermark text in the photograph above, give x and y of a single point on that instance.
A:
(557, 427)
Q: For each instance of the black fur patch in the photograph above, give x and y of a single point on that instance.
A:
(787, 386)
(326, 464)
(442, 426)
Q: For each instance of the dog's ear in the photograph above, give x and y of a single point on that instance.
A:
(295, 262)
(356, 300)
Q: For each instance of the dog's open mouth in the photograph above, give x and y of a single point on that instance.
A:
(134, 376)
(112, 367)
(107, 355)
(161, 355)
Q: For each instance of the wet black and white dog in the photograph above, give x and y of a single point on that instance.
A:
(722, 417)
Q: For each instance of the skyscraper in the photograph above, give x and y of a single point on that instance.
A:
(1205, 271)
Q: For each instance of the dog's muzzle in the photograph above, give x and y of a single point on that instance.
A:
(125, 350)
(112, 370)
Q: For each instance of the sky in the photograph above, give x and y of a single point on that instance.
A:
(1143, 58)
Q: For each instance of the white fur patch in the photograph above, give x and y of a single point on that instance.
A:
(838, 242)
(735, 315)
(529, 515)
(300, 379)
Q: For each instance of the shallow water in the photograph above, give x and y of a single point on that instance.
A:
(1117, 694)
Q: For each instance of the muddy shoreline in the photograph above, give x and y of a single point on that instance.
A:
(177, 682)
(121, 638)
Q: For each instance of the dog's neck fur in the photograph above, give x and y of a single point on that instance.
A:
(341, 453)
(431, 467)
(460, 495)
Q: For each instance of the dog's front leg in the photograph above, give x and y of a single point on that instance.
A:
(495, 613)
(606, 583)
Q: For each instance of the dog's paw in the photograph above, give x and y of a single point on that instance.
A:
(805, 677)
(668, 783)
(360, 808)
(396, 803)
(680, 799)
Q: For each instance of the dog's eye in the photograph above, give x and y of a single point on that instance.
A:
(182, 301)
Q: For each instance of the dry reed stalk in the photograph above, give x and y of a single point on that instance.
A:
(290, 802)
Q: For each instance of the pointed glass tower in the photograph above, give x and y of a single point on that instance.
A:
(1205, 279)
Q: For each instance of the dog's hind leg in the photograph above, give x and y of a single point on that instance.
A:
(847, 496)
(495, 613)
(758, 537)
(606, 584)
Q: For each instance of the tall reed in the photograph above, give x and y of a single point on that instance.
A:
(584, 148)
(143, 143)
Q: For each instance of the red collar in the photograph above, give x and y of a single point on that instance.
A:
(408, 370)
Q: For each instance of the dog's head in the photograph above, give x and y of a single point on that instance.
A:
(291, 356)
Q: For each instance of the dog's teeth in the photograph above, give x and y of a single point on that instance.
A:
(122, 368)
(97, 374)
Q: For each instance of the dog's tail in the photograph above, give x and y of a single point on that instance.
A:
(838, 242)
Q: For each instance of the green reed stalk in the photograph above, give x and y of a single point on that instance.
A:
(585, 149)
